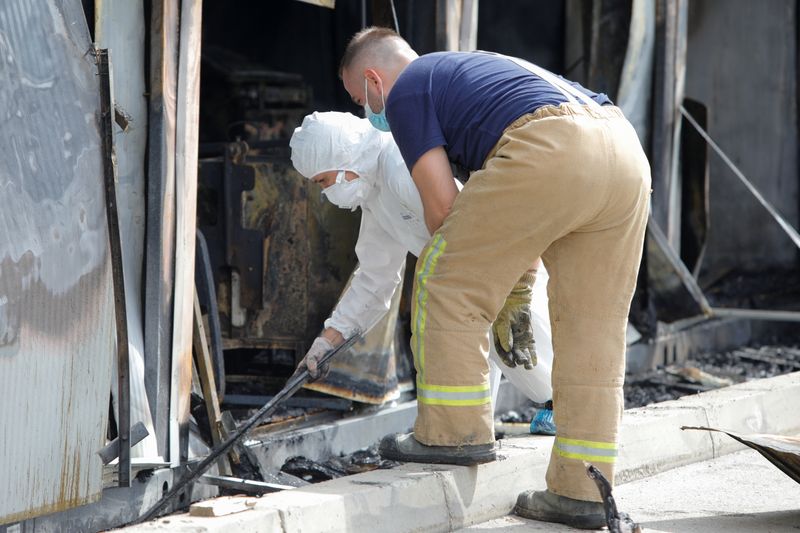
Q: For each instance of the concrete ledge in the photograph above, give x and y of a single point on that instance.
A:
(430, 498)
(652, 441)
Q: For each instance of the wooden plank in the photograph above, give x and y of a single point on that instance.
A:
(160, 215)
(330, 4)
(205, 371)
(186, 145)
(222, 506)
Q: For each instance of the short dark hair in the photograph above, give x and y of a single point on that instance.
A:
(362, 41)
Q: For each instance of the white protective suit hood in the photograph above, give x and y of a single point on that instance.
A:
(336, 141)
(392, 225)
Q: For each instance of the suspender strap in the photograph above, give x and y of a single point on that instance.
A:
(572, 94)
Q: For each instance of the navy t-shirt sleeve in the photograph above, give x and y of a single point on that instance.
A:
(414, 124)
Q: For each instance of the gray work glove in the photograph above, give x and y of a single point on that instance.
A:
(319, 347)
(512, 329)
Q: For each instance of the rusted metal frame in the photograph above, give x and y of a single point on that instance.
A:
(115, 241)
(160, 214)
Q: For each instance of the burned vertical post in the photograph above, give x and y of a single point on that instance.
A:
(663, 108)
(383, 13)
(186, 146)
(160, 227)
(448, 18)
(109, 175)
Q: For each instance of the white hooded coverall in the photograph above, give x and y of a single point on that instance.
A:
(392, 225)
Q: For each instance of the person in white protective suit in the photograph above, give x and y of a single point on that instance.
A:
(358, 166)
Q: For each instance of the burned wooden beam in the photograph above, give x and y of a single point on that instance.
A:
(754, 355)
(115, 241)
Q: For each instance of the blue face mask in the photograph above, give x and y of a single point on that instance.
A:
(378, 120)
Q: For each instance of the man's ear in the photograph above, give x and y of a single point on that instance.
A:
(372, 77)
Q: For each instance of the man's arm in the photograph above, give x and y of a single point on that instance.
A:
(437, 189)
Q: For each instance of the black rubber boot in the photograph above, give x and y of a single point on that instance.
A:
(546, 506)
(406, 448)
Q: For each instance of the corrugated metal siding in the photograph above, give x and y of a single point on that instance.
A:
(56, 312)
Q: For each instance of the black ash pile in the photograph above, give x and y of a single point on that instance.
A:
(710, 371)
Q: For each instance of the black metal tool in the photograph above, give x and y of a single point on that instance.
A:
(616, 520)
(292, 386)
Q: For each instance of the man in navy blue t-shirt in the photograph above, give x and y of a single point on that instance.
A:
(556, 172)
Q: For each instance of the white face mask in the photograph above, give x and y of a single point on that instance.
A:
(347, 194)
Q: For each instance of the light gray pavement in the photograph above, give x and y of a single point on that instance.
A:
(417, 497)
(738, 493)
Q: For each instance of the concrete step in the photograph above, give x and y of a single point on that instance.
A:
(739, 492)
(417, 497)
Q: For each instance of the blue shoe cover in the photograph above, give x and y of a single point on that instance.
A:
(542, 423)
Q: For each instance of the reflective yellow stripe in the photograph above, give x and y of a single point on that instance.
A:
(453, 394)
(589, 443)
(453, 388)
(586, 450)
(417, 297)
(586, 457)
(437, 247)
(440, 401)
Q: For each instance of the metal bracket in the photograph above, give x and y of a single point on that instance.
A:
(244, 248)
(110, 451)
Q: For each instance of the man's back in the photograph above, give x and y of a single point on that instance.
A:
(463, 101)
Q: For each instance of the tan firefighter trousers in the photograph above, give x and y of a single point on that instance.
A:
(572, 185)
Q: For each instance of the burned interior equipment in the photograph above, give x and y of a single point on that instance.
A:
(280, 254)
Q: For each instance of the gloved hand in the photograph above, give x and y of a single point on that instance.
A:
(513, 331)
(319, 347)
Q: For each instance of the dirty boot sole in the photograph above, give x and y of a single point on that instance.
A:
(545, 506)
(578, 522)
(406, 448)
